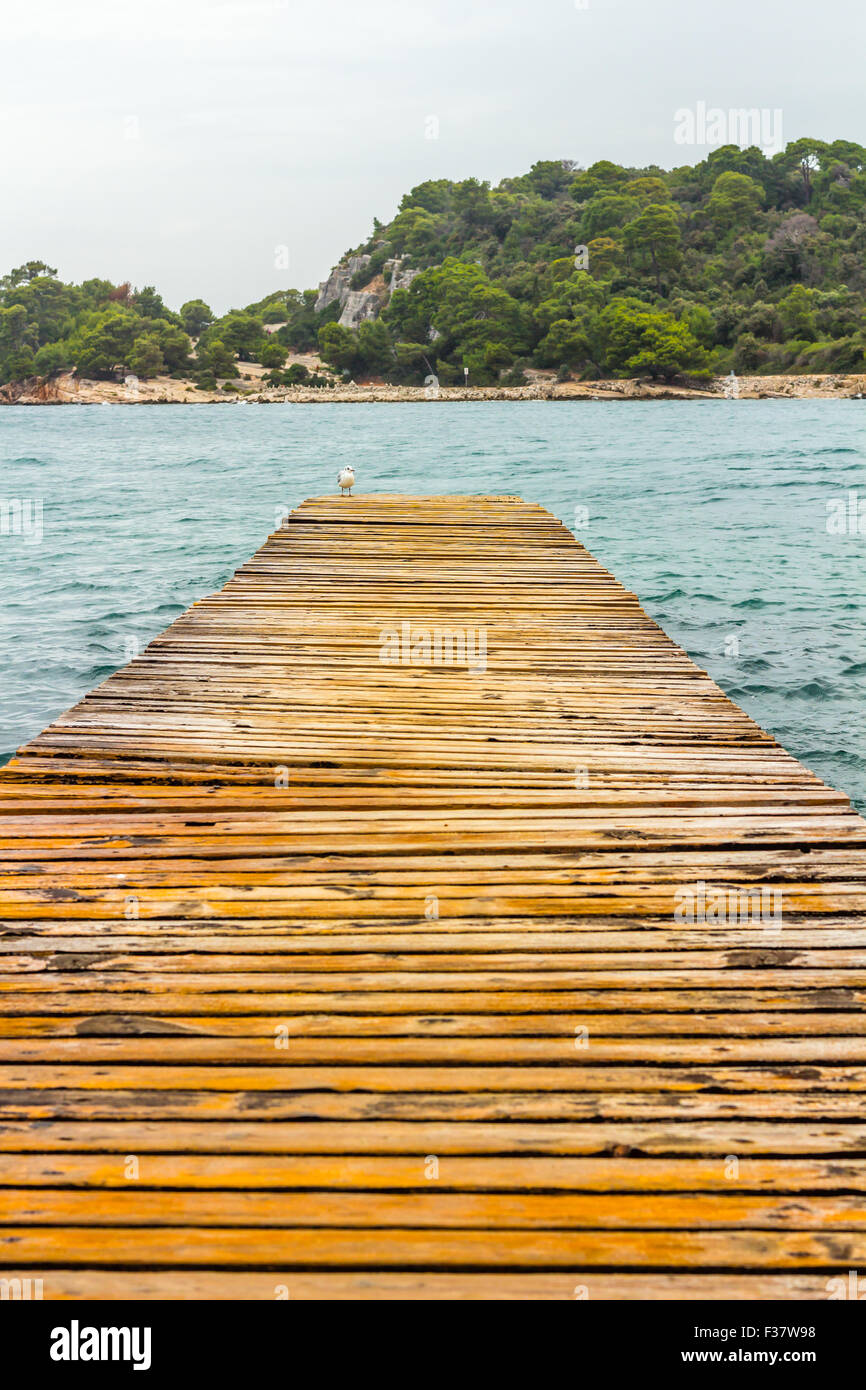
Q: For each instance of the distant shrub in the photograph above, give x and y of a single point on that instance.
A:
(271, 355)
(53, 357)
(516, 376)
(844, 355)
(748, 353)
(362, 277)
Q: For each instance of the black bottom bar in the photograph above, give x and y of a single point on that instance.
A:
(248, 1344)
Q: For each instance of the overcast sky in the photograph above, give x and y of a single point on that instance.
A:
(185, 143)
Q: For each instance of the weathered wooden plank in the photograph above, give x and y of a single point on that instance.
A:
(430, 1210)
(381, 1136)
(204, 1285)
(252, 1171)
(457, 1105)
(362, 1247)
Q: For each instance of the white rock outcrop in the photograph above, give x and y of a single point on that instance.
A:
(400, 279)
(357, 306)
(337, 284)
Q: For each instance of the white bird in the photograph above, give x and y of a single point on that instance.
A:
(346, 480)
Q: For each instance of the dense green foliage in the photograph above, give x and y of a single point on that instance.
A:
(740, 262)
(46, 325)
(104, 331)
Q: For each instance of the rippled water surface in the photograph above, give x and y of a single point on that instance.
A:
(714, 513)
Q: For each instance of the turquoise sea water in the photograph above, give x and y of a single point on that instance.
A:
(715, 513)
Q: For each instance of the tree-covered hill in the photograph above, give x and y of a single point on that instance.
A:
(739, 262)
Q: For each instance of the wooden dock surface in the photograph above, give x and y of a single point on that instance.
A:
(334, 970)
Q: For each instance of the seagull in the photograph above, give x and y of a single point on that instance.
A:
(346, 480)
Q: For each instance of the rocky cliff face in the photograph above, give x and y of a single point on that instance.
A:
(400, 279)
(35, 390)
(357, 306)
(337, 284)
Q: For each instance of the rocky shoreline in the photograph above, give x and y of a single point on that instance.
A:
(68, 389)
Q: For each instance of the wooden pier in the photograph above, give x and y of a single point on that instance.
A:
(413, 918)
